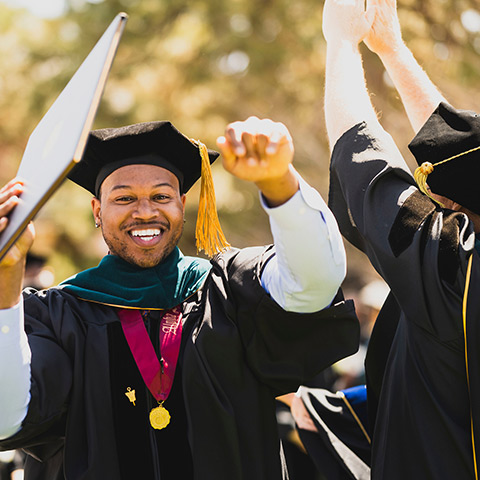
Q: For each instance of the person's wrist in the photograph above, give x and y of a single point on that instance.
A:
(339, 41)
(278, 190)
(10, 296)
(10, 303)
(11, 284)
(391, 50)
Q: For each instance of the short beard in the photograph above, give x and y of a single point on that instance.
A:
(145, 261)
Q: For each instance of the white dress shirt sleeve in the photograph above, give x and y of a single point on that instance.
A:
(15, 360)
(310, 262)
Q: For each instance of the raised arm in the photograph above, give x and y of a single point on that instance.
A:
(310, 264)
(14, 348)
(372, 192)
(347, 103)
(12, 266)
(419, 95)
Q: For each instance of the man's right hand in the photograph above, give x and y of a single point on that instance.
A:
(346, 21)
(12, 266)
(385, 36)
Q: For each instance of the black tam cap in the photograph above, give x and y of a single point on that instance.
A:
(447, 148)
(161, 144)
(150, 143)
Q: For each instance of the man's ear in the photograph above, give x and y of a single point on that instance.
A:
(96, 206)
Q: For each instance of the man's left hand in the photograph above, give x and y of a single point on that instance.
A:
(261, 151)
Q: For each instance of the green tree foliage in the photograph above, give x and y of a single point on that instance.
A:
(202, 64)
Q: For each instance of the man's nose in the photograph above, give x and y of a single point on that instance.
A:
(145, 209)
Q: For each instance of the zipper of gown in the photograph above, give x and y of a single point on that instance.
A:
(153, 332)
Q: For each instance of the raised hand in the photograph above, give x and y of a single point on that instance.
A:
(346, 21)
(9, 198)
(261, 151)
(385, 35)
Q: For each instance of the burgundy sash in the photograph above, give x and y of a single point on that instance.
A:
(157, 374)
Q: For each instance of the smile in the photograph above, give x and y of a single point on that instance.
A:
(147, 234)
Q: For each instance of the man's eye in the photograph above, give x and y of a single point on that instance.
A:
(124, 199)
(161, 197)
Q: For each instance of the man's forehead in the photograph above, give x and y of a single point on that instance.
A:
(130, 176)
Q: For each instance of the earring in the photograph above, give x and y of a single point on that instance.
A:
(97, 224)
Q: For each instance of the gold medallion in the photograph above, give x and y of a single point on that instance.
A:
(159, 417)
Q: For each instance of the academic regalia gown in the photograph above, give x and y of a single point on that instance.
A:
(419, 405)
(239, 350)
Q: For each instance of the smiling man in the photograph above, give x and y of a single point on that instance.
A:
(152, 356)
(128, 209)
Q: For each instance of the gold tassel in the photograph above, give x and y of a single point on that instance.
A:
(426, 168)
(421, 173)
(208, 232)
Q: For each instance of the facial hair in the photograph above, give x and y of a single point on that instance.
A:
(148, 259)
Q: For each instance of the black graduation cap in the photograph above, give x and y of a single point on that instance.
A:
(150, 143)
(155, 143)
(447, 148)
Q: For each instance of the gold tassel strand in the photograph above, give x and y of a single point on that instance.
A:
(426, 168)
(421, 173)
(208, 232)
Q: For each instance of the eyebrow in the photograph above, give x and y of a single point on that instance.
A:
(158, 185)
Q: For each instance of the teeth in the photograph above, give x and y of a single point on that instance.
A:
(151, 232)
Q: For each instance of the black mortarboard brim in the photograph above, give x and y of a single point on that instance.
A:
(155, 143)
(447, 148)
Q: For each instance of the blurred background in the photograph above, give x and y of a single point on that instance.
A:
(202, 64)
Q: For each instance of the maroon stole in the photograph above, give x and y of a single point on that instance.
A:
(157, 374)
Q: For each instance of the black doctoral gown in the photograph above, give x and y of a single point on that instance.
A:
(239, 350)
(419, 404)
